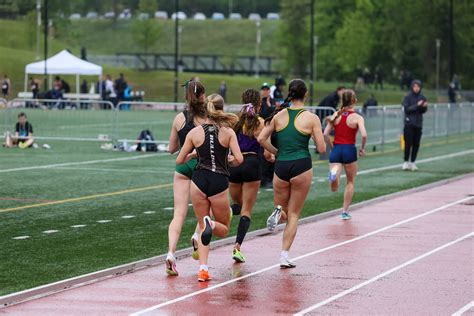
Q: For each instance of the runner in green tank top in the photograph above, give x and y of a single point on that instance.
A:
(293, 168)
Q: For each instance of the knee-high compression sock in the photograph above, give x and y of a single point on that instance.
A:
(236, 209)
(244, 225)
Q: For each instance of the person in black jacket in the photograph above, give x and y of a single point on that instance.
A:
(414, 106)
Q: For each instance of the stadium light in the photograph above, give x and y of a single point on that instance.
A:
(257, 49)
(438, 45)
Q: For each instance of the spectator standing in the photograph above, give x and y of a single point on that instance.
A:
(414, 106)
(6, 86)
(84, 87)
(371, 101)
(332, 99)
(120, 86)
(223, 90)
(276, 91)
(379, 77)
(456, 82)
(34, 85)
(267, 108)
(110, 93)
(268, 104)
(452, 93)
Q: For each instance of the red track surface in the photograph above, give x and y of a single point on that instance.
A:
(439, 283)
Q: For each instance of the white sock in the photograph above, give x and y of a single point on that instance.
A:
(204, 267)
(195, 236)
(170, 255)
(284, 254)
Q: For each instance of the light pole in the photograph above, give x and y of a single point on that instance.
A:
(438, 45)
(257, 49)
(176, 48)
(230, 7)
(180, 64)
(38, 28)
(311, 53)
(315, 39)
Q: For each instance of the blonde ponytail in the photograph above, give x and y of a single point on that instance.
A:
(215, 112)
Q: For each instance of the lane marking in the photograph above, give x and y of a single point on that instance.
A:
(21, 237)
(149, 212)
(464, 309)
(103, 221)
(192, 294)
(52, 231)
(116, 170)
(431, 159)
(77, 226)
(382, 275)
(128, 216)
(78, 163)
(87, 197)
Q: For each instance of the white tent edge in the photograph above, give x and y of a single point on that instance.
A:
(63, 63)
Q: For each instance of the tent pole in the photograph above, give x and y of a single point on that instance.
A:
(26, 82)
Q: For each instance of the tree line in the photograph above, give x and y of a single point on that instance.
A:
(393, 35)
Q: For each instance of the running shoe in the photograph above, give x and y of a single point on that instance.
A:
(413, 167)
(237, 256)
(194, 243)
(204, 276)
(405, 166)
(273, 220)
(285, 263)
(171, 265)
(332, 176)
(346, 216)
(207, 233)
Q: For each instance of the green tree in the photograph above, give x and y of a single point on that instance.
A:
(145, 33)
(294, 35)
(148, 6)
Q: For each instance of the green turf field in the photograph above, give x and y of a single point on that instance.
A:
(86, 185)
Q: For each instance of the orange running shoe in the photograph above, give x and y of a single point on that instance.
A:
(204, 276)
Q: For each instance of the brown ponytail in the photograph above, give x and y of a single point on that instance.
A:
(215, 112)
(348, 98)
(194, 91)
(248, 116)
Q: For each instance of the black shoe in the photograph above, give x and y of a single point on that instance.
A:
(207, 233)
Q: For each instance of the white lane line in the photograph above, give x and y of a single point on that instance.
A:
(128, 216)
(461, 153)
(382, 275)
(78, 163)
(103, 221)
(77, 226)
(116, 170)
(181, 298)
(52, 231)
(149, 212)
(21, 237)
(464, 309)
(169, 208)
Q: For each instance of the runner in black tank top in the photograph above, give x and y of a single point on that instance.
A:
(209, 188)
(184, 122)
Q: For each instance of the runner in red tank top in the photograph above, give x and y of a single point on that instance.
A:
(346, 123)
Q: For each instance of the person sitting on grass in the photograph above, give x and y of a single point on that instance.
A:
(23, 134)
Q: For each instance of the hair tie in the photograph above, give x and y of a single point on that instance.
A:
(185, 84)
(248, 109)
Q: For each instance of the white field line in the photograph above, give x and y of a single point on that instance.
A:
(78, 163)
(461, 153)
(464, 309)
(151, 123)
(116, 170)
(210, 288)
(382, 275)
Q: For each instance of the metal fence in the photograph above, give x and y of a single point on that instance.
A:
(86, 120)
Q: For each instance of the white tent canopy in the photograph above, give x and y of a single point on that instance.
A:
(63, 63)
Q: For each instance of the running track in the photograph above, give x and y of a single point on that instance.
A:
(408, 255)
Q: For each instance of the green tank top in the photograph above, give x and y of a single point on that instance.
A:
(292, 143)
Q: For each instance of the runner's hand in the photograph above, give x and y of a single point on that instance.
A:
(361, 152)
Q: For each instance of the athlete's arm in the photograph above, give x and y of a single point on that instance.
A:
(317, 134)
(187, 148)
(174, 140)
(235, 149)
(327, 134)
(264, 137)
(363, 133)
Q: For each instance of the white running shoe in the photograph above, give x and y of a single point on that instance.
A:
(273, 220)
(171, 265)
(332, 176)
(413, 167)
(285, 263)
(405, 166)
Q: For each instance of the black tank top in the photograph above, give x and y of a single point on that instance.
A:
(212, 155)
(188, 126)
